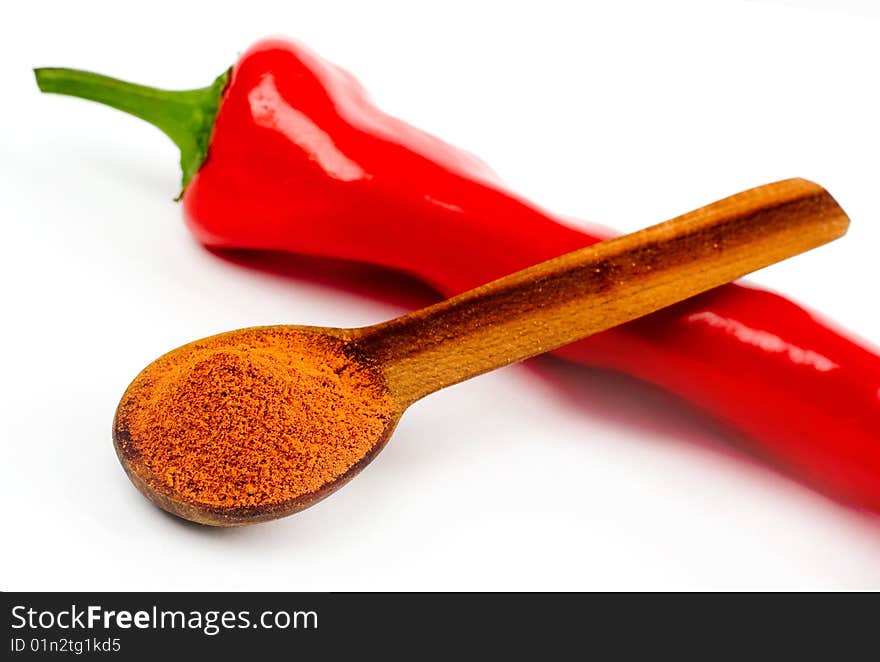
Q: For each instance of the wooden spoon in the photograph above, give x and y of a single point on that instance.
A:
(511, 319)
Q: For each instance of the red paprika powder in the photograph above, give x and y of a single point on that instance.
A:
(253, 418)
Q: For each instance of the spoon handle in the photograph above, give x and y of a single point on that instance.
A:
(593, 289)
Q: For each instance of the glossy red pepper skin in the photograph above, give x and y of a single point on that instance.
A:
(300, 160)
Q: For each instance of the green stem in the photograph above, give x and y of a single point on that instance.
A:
(185, 116)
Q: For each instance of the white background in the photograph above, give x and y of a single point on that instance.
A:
(537, 477)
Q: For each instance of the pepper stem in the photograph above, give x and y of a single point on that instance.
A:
(185, 116)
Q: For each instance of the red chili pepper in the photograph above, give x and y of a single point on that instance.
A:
(299, 160)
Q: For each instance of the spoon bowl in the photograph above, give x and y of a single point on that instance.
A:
(174, 458)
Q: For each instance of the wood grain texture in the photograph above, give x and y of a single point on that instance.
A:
(581, 293)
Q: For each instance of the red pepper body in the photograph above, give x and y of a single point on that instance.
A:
(301, 161)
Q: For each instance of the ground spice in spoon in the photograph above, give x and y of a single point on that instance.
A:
(256, 419)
